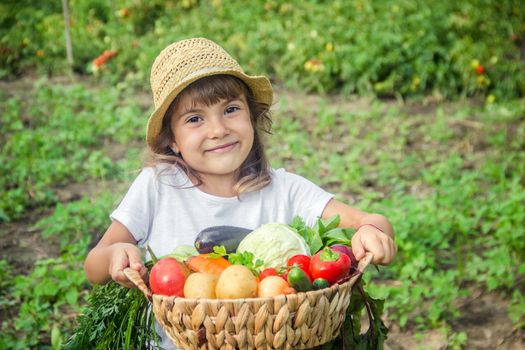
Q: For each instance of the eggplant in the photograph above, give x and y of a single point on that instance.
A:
(228, 236)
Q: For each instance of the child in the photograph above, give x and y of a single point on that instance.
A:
(209, 168)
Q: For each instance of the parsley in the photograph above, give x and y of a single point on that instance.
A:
(244, 258)
(115, 318)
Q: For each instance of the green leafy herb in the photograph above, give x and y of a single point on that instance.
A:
(244, 258)
(115, 318)
(324, 233)
(350, 337)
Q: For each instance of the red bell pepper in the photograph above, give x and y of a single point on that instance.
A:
(330, 265)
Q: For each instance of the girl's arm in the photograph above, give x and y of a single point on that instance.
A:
(115, 251)
(374, 232)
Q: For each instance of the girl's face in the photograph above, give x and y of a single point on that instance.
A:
(213, 140)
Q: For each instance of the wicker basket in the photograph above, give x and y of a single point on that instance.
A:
(294, 321)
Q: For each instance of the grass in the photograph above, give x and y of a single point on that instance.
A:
(449, 182)
(448, 178)
(33, 163)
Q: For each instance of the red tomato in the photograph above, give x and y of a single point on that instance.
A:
(270, 271)
(167, 277)
(285, 275)
(329, 265)
(480, 69)
(301, 261)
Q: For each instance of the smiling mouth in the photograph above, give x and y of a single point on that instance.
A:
(223, 148)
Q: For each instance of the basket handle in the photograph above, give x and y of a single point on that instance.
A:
(136, 279)
(364, 262)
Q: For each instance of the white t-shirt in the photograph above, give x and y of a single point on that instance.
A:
(164, 210)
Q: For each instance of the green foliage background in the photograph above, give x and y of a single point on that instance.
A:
(382, 47)
(444, 159)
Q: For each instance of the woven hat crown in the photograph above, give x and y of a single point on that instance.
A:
(186, 61)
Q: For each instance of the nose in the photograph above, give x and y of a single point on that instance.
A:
(217, 128)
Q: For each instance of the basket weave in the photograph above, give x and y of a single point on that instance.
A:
(293, 321)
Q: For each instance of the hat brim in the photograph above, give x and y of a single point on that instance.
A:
(259, 85)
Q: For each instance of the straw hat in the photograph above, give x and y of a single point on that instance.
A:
(186, 61)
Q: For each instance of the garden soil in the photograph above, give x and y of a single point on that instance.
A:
(483, 317)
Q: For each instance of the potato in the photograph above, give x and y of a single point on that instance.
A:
(200, 285)
(236, 282)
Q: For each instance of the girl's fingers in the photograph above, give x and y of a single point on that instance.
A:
(393, 248)
(135, 262)
(357, 247)
(123, 280)
(388, 248)
(375, 246)
(387, 257)
(120, 278)
(379, 244)
(119, 261)
(135, 259)
(370, 242)
(126, 257)
(143, 272)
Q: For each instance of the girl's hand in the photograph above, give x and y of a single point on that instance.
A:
(125, 255)
(370, 239)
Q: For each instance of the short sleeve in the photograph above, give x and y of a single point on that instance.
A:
(307, 199)
(136, 209)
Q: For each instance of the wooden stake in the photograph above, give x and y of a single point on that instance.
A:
(67, 29)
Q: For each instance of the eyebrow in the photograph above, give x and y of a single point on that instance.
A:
(188, 111)
(194, 110)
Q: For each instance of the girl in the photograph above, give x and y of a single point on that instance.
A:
(209, 168)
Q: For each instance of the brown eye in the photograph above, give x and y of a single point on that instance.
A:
(194, 119)
(231, 109)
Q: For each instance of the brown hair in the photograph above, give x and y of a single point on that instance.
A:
(254, 171)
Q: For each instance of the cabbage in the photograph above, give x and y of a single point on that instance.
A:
(274, 244)
(182, 252)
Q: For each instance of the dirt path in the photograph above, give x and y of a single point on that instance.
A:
(483, 318)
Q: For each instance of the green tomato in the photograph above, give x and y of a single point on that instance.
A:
(299, 280)
(320, 283)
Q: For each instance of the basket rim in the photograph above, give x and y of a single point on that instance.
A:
(313, 293)
(363, 263)
(139, 282)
